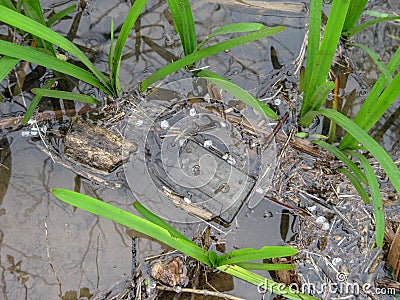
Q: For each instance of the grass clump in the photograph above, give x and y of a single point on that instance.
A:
(316, 89)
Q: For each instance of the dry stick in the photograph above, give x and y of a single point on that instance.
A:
(49, 261)
(200, 292)
(275, 131)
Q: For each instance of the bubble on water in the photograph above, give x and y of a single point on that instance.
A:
(192, 112)
(207, 143)
(229, 159)
(164, 124)
(312, 208)
(337, 261)
(320, 220)
(260, 191)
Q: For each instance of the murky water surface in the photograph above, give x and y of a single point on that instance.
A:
(47, 247)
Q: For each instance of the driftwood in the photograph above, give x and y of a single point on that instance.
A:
(15, 122)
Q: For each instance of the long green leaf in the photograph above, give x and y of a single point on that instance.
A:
(189, 29)
(238, 92)
(321, 93)
(266, 267)
(35, 101)
(367, 116)
(385, 100)
(130, 20)
(232, 28)
(64, 95)
(314, 32)
(8, 4)
(357, 184)
(376, 199)
(184, 24)
(34, 11)
(127, 219)
(198, 55)
(353, 31)
(147, 214)
(325, 54)
(111, 52)
(17, 20)
(370, 144)
(246, 254)
(6, 65)
(382, 67)
(353, 13)
(40, 58)
(61, 14)
(343, 158)
(264, 283)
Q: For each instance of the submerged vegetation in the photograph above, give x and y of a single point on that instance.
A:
(352, 150)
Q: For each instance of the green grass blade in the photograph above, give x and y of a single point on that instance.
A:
(356, 183)
(238, 92)
(382, 67)
(188, 27)
(6, 65)
(198, 55)
(61, 14)
(147, 214)
(378, 14)
(38, 57)
(343, 158)
(176, 18)
(314, 32)
(64, 95)
(129, 22)
(321, 93)
(354, 12)
(184, 24)
(127, 219)
(246, 254)
(17, 20)
(385, 100)
(366, 116)
(264, 283)
(353, 31)
(376, 199)
(369, 143)
(265, 267)
(8, 4)
(232, 28)
(35, 101)
(326, 53)
(112, 49)
(34, 11)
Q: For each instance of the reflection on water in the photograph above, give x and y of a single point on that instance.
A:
(88, 253)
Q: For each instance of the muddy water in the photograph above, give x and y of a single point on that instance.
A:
(88, 253)
(38, 233)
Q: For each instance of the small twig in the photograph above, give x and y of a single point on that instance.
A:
(275, 131)
(200, 292)
(49, 261)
